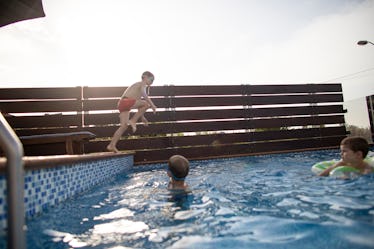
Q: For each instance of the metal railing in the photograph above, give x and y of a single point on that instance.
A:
(13, 150)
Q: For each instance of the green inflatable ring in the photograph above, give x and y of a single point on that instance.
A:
(370, 161)
(343, 171)
(321, 166)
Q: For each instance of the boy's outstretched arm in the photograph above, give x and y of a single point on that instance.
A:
(327, 171)
(145, 96)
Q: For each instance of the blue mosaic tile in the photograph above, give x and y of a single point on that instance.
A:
(45, 188)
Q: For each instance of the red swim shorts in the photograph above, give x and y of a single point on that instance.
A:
(126, 104)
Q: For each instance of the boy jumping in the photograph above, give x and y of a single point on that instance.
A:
(135, 97)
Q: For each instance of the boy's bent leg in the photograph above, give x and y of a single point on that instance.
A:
(142, 107)
(144, 120)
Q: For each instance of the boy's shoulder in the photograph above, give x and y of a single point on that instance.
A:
(137, 83)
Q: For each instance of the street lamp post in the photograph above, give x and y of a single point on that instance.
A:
(364, 42)
(369, 99)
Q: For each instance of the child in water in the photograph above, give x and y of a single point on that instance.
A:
(353, 151)
(178, 168)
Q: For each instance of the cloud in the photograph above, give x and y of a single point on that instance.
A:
(189, 42)
(325, 49)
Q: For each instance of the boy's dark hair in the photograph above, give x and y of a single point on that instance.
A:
(179, 166)
(356, 144)
(148, 74)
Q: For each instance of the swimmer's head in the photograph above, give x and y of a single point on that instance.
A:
(356, 144)
(178, 167)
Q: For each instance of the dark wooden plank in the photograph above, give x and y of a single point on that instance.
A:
(296, 99)
(290, 145)
(111, 104)
(195, 90)
(103, 92)
(100, 105)
(40, 106)
(39, 131)
(294, 88)
(297, 133)
(40, 93)
(243, 89)
(297, 121)
(44, 121)
(175, 102)
(45, 149)
(164, 116)
(167, 128)
(295, 110)
(246, 100)
(142, 143)
(149, 156)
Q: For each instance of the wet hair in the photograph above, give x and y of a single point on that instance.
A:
(179, 167)
(148, 74)
(356, 144)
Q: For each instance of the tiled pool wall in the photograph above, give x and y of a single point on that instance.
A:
(47, 187)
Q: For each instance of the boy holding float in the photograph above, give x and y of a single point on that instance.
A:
(353, 151)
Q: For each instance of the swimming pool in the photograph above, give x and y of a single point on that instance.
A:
(271, 201)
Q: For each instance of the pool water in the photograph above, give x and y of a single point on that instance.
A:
(271, 201)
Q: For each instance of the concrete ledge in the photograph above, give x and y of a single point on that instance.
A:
(42, 162)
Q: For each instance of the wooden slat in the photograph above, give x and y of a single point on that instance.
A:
(111, 104)
(103, 92)
(293, 145)
(166, 128)
(297, 133)
(197, 90)
(216, 139)
(40, 106)
(164, 116)
(295, 99)
(246, 100)
(299, 88)
(29, 132)
(102, 104)
(150, 156)
(295, 110)
(298, 121)
(45, 149)
(174, 102)
(193, 90)
(40, 93)
(44, 121)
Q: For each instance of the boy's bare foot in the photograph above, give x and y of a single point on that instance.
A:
(112, 149)
(145, 121)
(133, 126)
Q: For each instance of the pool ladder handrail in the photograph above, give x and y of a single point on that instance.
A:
(13, 150)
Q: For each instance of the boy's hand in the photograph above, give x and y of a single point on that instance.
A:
(154, 109)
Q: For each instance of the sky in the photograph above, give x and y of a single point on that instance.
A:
(184, 42)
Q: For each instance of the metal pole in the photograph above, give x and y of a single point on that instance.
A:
(13, 150)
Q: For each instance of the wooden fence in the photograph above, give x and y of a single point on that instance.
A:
(196, 121)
